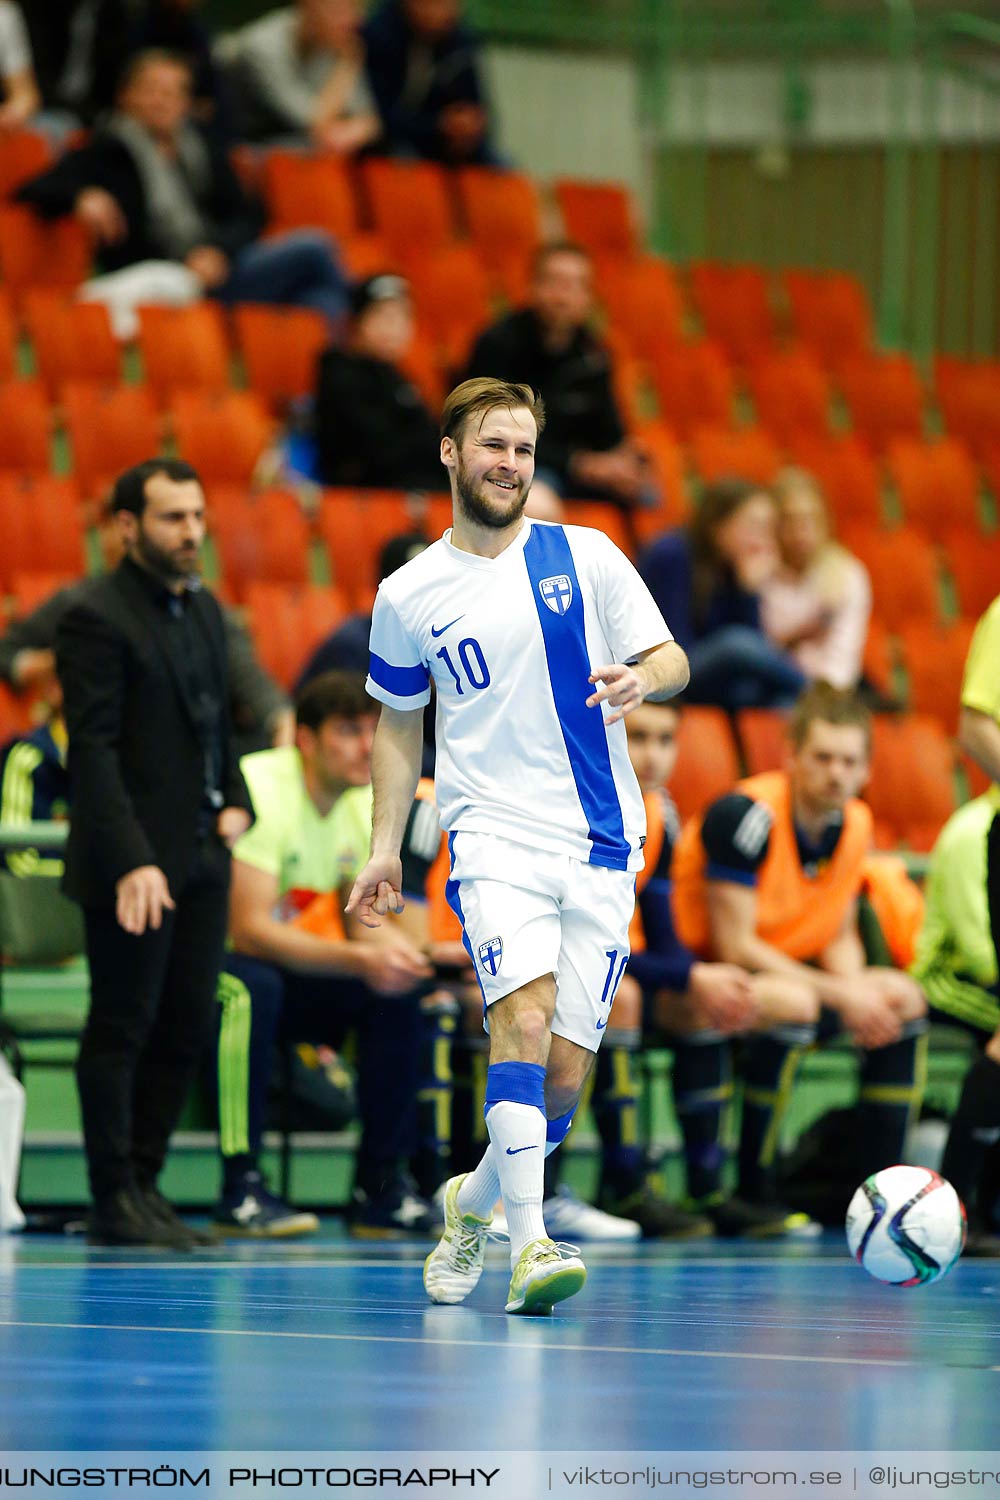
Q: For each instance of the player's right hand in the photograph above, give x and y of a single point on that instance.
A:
(869, 1013)
(377, 890)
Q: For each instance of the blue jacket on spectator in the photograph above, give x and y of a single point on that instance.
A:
(666, 568)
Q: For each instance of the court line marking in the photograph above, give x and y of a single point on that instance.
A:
(380, 1338)
(337, 1263)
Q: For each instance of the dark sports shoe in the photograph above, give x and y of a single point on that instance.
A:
(122, 1219)
(394, 1213)
(737, 1219)
(167, 1218)
(251, 1212)
(657, 1218)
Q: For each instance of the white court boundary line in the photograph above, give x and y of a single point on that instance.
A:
(376, 1338)
(186, 1263)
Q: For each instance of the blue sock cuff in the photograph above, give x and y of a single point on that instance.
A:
(515, 1083)
(556, 1131)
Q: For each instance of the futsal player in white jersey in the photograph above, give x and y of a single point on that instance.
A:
(539, 639)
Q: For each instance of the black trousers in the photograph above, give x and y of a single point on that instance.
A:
(152, 1003)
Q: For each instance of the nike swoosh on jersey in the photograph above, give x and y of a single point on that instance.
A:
(516, 1150)
(436, 633)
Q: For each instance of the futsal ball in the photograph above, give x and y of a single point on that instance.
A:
(906, 1226)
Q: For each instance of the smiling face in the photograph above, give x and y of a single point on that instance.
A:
(492, 465)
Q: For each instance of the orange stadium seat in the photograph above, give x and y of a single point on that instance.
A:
(288, 623)
(503, 216)
(8, 339)
(109, 428)
(422, 364)
(878, 659)
(976, 777)
(643, 302)
(666, 459)
(410, 205)
(847, 472)
(23, 154)
(72, 340)
(317, 192)
(280, 348)
(743, 452)
(184, 348)
(974, 563)
(884, 396)
(937, 484)
(935, 660)
(708, 764)
(37, 252)
(451, 295)
(791, 394)
(903, 572)
(223, 434)
(16, 713)
(912, 786)
(263, 539)
(968, 393)
(763, 737)
(694, 386)
(41, 525)
(354, 526)
(734, 305)
(599, 215)
(25, 427)
(830, 312)
(31, 588)
(602, 515)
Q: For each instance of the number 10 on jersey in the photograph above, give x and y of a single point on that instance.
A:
(474, 669)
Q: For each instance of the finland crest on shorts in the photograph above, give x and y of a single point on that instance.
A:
(557, 592)
(491, 954)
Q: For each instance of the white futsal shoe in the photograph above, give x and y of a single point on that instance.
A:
(545, 1273)
(454, 1266)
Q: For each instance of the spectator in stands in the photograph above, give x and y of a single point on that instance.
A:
(957, 966)
(79, 47)
(586, 453)
(151, 185)
(174, 26)
(371, 424)
(424, 70)
(769, 879)
(261, 714)
(298, 74)
(21, 97)
(158, 800)
(296, 967)
(709, 574)
(818, 603)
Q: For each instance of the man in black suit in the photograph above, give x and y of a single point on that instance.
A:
(158, 800)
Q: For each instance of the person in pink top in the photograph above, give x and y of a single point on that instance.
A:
(817, 605)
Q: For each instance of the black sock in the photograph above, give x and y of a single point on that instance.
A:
(615, 1107)
(234, 1169)
(770, 1064)
(974, 1129)
(432, 1162)
(703, 1088)
(892, 1085)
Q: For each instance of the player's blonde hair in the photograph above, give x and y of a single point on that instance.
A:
(474, 398)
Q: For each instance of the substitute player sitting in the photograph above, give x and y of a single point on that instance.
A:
(539, 639)
(769, 878)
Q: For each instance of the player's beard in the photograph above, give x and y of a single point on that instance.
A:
(480, 509)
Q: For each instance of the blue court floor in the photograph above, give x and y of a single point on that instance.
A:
(330, 1344)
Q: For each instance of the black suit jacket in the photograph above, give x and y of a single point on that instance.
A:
(106, 162)
(135, 761)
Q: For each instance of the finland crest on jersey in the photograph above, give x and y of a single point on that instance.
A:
(557, 593)
(509, 643)
(491, 954)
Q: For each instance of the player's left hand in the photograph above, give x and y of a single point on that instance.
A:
(624, 689)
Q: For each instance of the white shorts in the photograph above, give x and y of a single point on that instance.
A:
(527, 912)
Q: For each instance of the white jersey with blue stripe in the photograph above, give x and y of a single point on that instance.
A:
(510, 643)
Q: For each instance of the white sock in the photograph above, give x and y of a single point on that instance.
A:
(481, 1189)
(517, 1135)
